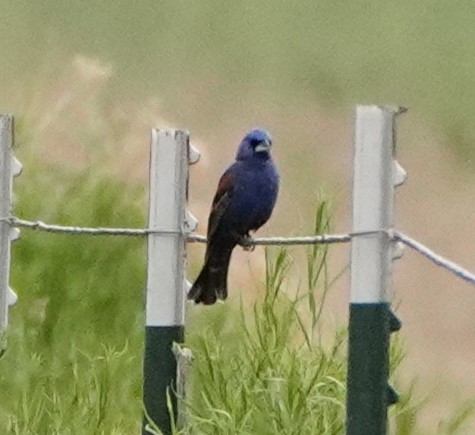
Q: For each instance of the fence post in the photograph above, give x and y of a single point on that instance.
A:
(165, 305)
(9, 167)
(371, 321)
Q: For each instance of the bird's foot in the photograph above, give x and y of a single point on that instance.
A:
(247, 243)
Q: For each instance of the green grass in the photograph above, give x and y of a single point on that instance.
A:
(73, 363)
(257, 371)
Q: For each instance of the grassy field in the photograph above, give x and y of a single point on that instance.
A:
(73, 362)
(74, 356)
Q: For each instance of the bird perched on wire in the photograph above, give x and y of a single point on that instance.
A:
(244, 201)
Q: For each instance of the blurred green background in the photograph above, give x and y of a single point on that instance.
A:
(274, 53)
(87, 80)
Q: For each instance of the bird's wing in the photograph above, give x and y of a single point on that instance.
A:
(220, 201)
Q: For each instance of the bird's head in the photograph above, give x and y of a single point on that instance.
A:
(256, 144)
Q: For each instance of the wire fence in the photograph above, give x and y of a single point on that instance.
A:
(376, 174)
(437, 259)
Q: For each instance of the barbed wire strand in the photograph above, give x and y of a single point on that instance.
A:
(101, 231)
(435, 258)
(96, 231)
(265, 241)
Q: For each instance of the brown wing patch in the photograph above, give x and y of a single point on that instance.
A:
(220, 202)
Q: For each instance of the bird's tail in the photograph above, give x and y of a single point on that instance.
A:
(211, 283)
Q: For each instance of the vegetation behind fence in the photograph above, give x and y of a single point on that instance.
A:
(74, 360)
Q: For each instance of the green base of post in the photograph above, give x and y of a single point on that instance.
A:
(160, 369)
(368, 368)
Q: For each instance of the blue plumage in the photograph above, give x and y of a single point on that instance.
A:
(244, 201)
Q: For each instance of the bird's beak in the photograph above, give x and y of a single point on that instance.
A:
(263, 146)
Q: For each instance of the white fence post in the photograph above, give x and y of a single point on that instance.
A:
(170, 156)
(376, 173)
(9, 167)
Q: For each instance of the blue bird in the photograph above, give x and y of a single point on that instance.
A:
(246, 195)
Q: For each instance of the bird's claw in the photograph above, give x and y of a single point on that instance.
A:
(246, 242)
